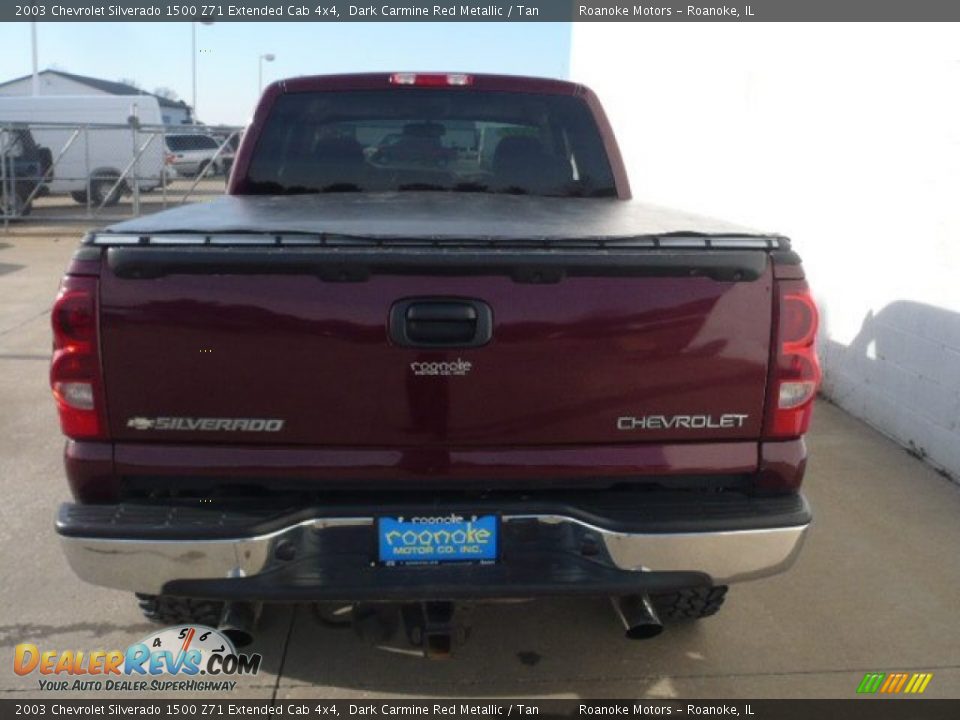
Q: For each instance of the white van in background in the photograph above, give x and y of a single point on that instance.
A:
(103, 149)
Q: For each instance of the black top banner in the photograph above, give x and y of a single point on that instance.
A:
(460, 11)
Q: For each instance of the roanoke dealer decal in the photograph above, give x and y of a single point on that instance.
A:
(182, 658)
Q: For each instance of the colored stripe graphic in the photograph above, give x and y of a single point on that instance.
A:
(871, 682)
(894, 683)
(918, 683)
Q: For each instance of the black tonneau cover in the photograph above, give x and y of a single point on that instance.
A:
(430, 215)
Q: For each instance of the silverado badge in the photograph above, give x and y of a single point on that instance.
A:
(207, 424)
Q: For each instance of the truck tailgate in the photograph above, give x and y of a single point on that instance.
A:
(289, 355)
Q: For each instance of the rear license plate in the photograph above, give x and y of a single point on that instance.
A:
(437, 540)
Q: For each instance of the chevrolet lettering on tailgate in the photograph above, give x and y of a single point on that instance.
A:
(686, 422)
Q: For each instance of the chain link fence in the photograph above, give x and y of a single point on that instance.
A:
(52, 172)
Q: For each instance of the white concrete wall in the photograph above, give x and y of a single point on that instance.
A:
(845, 137)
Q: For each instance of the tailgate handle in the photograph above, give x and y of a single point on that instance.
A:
(441, 323)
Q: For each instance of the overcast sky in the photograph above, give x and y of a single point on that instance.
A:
(158, 54)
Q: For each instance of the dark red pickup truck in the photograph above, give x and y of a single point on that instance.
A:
(470, 368)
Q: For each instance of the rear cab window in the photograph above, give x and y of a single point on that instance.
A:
(180, 143)
(176, 142)
(427, 139)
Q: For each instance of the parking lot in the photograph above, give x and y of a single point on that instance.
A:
(61, 208)
(875, 590)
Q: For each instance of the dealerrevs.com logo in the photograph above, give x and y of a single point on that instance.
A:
(183, 658)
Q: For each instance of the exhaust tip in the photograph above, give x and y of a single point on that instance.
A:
(639, 618)
(237, 622)
(643, 632)
(239, 637)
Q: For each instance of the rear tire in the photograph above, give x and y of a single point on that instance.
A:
(100, 186)
(15, 206)
(169, 610)
(690, 603)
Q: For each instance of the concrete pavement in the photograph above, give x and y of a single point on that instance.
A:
(875, 588)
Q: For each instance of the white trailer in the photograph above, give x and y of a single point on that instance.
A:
(101, 145)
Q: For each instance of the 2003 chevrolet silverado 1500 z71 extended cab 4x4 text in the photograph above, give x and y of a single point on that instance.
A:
(426, 351)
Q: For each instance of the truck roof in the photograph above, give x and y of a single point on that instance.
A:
(477, 81)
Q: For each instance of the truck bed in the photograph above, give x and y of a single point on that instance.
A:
(432, 215)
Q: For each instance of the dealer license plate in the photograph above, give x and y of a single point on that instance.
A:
(450, 538)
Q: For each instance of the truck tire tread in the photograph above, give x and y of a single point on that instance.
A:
(690, 603)
(169, 610)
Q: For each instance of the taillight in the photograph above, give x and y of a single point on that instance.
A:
(795, 371)
(75, 368)
(432, 79)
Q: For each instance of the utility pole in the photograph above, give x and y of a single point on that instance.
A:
(193, 62)
(269, 57)
(193, 59)
(36, 75)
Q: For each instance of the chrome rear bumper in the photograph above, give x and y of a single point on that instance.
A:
(151, 565)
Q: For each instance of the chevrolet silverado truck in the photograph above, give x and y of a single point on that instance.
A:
(470, 369)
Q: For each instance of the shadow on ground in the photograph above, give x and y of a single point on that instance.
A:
(542, 647)
(902, 374)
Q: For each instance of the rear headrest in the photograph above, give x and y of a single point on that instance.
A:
(424, 130)
(517, 149)
(338, 150)
(522, 163)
